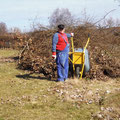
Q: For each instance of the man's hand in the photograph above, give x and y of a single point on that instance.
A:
(72, 34)
(54, 55)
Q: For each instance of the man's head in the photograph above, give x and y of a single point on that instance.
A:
(61, 28)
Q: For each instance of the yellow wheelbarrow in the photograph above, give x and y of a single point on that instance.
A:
(79, 60)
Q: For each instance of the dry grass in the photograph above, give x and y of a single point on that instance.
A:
(33, 97)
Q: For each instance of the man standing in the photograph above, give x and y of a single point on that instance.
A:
(60, 52)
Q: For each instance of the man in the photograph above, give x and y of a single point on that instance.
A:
(60, 52)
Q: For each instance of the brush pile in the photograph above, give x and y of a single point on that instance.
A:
(103, 49)
(12, 40)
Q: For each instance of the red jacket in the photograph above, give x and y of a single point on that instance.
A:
(59, 41)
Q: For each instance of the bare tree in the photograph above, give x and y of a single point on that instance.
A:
(110, 22)
(117, 23)
(61, 16)
(3, 28)
(86, 19)
(15, 30)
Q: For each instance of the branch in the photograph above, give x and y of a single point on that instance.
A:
(103, 17)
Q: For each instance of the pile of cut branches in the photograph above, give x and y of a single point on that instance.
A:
(103, 49)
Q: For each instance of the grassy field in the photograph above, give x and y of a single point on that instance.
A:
(33, 97)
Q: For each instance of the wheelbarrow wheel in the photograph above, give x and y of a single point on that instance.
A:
(78, 72)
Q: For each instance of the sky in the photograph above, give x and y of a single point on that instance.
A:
(23, 13)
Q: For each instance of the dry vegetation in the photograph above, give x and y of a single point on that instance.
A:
(103, 49)
(33, 97)
(26, 95)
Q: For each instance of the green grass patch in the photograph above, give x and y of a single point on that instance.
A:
(1, 119)
(8, 52)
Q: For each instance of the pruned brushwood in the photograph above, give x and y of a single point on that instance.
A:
(103, 49)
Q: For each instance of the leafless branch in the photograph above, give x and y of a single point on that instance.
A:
(102, 18)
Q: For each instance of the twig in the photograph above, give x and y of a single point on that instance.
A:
(23, 50)
(104, 16)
